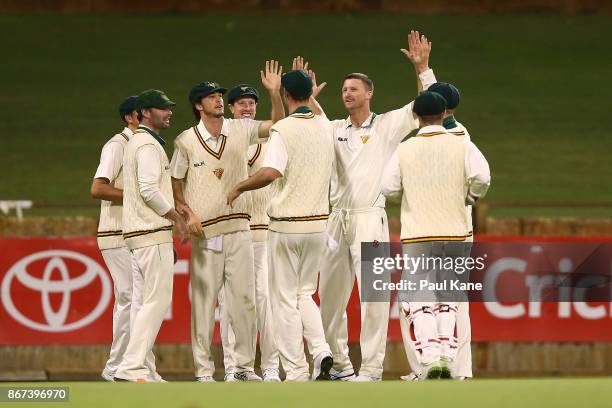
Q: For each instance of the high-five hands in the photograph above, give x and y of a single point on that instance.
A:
(271, 77)
(299, 63)
(419, 48)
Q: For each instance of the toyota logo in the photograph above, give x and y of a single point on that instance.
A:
(56, 318)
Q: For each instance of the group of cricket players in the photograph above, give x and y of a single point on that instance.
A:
(278, 209)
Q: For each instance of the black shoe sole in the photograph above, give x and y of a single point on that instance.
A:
(120, 379)
(326, 365)
(434, 373)
(445, 374)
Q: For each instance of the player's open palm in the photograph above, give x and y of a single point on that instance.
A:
(271, 77)
(316, 89)
(418, 50)
(299, 64)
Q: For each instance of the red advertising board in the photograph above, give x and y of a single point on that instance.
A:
(58, 291)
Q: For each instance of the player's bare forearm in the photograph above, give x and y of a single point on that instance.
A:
(260, 179)
(278, 113)
(317, 109)
(101, 189)
(179, 223)
(278, 109)
(177, 192)
(419, 48)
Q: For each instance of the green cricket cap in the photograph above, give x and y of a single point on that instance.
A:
(448, 91)
(429, 104)
(242, 91)
(152, 98)
(203, 89)
(128, 105)
(298, 84)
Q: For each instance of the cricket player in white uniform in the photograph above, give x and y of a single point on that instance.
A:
(363, 142)
(299, 161)
(462, 365)
(242, 100)
(208, 160)
(148, 217)
(440, 173)
(107, 186)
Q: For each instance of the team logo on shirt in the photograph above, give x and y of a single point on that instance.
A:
(343, 139)
(199, 164)
(218, 172)
(364, 138)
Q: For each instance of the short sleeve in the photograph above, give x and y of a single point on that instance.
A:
(392, 178)
(179, 163)
(252, 130)
(111, 160)
(276, 154)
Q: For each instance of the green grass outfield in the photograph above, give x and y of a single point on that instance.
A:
(535, 89)
(524, 393)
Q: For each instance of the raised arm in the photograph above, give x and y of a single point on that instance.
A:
(419, 49)
(271, 80)
(299, 63)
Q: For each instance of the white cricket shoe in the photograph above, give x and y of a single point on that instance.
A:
(410, 377)
(344, 375)
(229, 377)
(247, 376)
(108, 376)
(205, 379)
(323, 363)
(365, 378)
(156, 378)
(271, 375)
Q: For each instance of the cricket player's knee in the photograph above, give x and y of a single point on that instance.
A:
(124, 296)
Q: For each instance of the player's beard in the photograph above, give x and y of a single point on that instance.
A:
(162, 123)
(213, 113)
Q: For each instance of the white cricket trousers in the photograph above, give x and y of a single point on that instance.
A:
(267, 342)
(433, 316)
(462, 365)
(128, 286)
(294, 268)
(156, 267)
(339, 267)
(210, 270)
